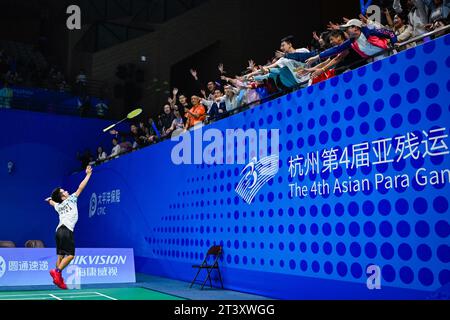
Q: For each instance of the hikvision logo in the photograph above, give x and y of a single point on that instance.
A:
(2, 266)
(99, 260)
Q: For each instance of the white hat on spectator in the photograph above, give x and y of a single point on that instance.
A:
(352, 23)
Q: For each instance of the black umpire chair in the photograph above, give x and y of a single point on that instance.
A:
(215, 252)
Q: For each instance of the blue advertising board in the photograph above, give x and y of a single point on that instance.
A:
(354, 205)
(27, 267)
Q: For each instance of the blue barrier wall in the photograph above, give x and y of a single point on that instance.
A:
(43, 148)
(378, 131)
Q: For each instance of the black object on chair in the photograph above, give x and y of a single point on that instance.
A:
(215, 252)
(7, 244)
(34, 244)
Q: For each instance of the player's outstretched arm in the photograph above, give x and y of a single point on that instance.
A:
(84, 182)
(50, 201)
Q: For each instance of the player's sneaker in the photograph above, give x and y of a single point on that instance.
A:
(54, 275)
(59, 281)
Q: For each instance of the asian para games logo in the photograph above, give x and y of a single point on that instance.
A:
(255, 175)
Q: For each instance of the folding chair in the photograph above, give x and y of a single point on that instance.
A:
(216, 252)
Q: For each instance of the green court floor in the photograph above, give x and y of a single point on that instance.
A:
(89, 294)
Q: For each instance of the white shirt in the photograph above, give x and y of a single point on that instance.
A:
(102, 156)
(68, 212)
(366, 47)
(418, 17)
(116, 150)
(293, 65)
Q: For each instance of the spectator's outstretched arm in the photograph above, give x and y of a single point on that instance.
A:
(207, 103)
(388, 18)
(335, 50)
(381, 33)
(198, 85)
(300, 56)
(85, 181)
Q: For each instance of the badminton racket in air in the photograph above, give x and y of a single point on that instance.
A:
(133, 114)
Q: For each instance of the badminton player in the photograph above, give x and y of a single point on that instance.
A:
(66, 206)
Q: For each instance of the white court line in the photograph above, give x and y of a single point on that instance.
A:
(52, 295)
(23, 295)
(41, 298)
(69, 292)
(45, 294)
(79, 296)
(104, 295)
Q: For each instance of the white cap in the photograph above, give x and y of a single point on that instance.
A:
(352, 23)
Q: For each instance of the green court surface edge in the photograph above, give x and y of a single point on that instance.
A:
(89, 294)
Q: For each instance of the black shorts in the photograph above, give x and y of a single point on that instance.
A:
(65, 244)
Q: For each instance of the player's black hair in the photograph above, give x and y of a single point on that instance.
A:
(56, 195)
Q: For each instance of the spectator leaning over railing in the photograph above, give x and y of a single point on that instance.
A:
(177, 127)
(216, 109)
(403, 30)
(136, 135)
(231, 98)
(366, 42)
(347, 59)
(284, 68)
(196, 115)
(165, 120)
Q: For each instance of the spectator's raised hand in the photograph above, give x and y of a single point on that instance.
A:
(113, 132)
(170, 100)
(251, 65)
(203, 93)
(345, 20)
(221, 68)
(194, 74)
(363, 18)
(175, 91)
(315, 36)
(333, 26)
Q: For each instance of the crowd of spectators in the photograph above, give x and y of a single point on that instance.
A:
(341, 47)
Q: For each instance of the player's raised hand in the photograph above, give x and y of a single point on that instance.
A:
(89, 170)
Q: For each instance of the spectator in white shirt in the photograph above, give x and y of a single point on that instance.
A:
(116, 150)
(418, 15)
(101, 155)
